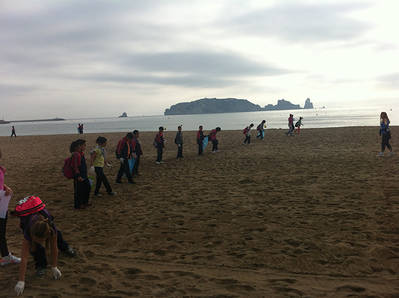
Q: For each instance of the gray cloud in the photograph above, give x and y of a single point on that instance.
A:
(15, 89)
(389, 81)
(301, 22)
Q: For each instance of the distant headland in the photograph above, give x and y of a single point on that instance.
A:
(230, 105)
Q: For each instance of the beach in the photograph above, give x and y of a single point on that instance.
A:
(311, 215)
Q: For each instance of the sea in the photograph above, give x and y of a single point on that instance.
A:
(314, 118)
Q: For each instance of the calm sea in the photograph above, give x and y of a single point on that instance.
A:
(316, 118)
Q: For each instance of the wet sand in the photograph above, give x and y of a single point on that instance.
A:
(311, 215)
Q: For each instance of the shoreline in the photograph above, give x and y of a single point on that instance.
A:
(205, 130)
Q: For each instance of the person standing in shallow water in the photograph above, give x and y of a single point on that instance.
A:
(13, 134)
(385, 133)
(179, 142)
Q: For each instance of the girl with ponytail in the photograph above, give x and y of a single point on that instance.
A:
(40, 235)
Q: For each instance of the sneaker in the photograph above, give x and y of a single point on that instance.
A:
(111, 193)
(157, 162)
(70, 252)
(98, 195)
(380, 154)
(40, 272)
(10, 259)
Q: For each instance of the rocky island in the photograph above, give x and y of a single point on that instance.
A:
(229, 105)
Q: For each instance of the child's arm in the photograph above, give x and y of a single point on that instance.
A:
(93, 156)
(24, 259)
(7, 190)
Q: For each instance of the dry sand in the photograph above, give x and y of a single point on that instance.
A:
(312, 215)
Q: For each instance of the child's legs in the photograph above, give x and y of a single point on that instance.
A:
(99, 179)
(3, 240)
(106, 183)
(61, 243)
(83, 192)
(77, 201)
(39, 255)
(200, 148)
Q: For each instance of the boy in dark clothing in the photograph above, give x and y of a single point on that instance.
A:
(13, 132)
(124, 152)
(212, 137)
(138, 150)
(200, 140)
(179, 142)
(81, 181)
(159, 143)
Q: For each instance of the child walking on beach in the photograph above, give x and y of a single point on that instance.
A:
(5, 196)
(40, 234)
(261, 130)
(81, 181)
(159, 143)
(247, 133)
(291, 127)
(385, 133)
(179, 142)
(298, 125)
(200, 140)
(124, 152)
(212, 137)
(98, 161)
(13, 134)
(139, 151)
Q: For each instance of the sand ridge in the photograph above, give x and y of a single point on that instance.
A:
(311, 215)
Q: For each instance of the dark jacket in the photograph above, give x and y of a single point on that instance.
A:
(179, 138)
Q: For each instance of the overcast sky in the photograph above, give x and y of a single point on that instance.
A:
(89, 58)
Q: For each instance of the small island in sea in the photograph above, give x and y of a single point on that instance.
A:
(124, 115)
(230, 105)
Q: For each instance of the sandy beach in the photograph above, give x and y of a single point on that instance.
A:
(312, 215)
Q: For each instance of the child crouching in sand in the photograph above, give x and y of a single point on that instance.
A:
(40, 234)
(5, 196)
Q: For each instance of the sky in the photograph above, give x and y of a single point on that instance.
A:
(89, 58)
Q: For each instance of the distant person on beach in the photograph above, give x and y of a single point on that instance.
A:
(40, 234)
(81, 128)
(13, 134)
(179, 142)
(81, 181)
(247, 133)
(139, 152)
(291, 127)
(212, 137)
(5, 196)
(200, 140)
(261, 130)
(124, 152)
(98, 160)
(298, 125)
(159, 143)
(385, 133)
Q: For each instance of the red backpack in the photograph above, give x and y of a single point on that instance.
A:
(245, 130)
(67, 169)
(28, 205)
